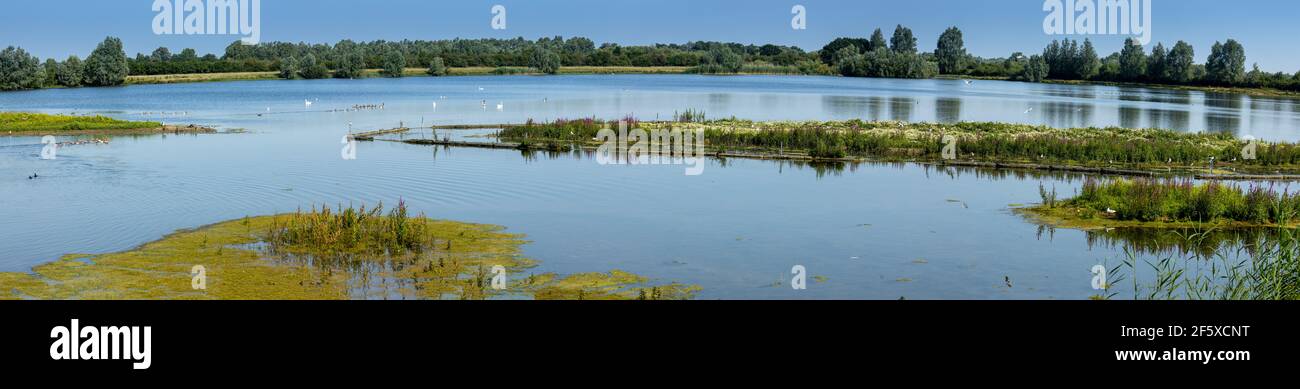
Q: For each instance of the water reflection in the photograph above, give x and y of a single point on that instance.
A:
(1163, 118)
(1198, 243)
(1067, 114)
(900, 108)
(850, 106)
(947, 109)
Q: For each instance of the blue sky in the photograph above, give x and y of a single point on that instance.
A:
(992, 28)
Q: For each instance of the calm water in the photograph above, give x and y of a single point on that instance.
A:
(874, 231)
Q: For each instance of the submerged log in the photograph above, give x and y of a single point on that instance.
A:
(370, 135)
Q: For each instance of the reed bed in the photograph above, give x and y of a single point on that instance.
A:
(983, 141)
(1182, 200)
(352, 230)
(1262, 270)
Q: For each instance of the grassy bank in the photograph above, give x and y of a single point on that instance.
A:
(1170, 203)
(340, 253)
(37, 124)
(1141, 149)
(30, 124)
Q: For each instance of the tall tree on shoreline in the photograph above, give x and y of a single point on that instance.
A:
(1132, 60)
(545, 61)
(107, 65)
(951, 51)
(311, 69)
(1157, 69)
(877, 41)
(70, 72)
(1227, 63)
(903, 40)
(394, 63)
(289, 68)
(437, 68)
(1179, 63)
(19, 70)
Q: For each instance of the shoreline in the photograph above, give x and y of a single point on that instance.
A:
(189, 78)
(1253, 92)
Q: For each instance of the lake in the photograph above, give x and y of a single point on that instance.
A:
(873, 231)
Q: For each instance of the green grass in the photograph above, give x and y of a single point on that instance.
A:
(23, 122)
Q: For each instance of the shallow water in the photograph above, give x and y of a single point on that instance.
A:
(872, 230)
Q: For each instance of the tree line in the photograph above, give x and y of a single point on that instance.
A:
(1061, 60)
(106, 66)
(899, 56)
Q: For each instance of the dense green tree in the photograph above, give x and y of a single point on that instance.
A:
(1157, 64)
(1227, 63)
(394, 63)
(951, 51)
(828, 52)
(20, 70)
(1179, 63)
(877, 41)
(545, 61)
(107, 65)
(51, 73)
(187, 55)
(1132, 60)
(849, 62)
(311, 69)
(437, 68)
(161, 54)
(289, 68)
(70, 72)
(1035, 70)
(1088, 64)
(351, 65)
(903, 40)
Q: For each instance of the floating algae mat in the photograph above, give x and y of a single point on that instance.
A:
(325, 254)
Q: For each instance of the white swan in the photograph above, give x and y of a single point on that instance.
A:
(306, 103)
(501, 106)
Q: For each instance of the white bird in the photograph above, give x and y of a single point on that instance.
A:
(501, 106)
(1110, 211)
(307, 102)
(968, 82)
(435, 105)
(480, 88)
(1031, 109)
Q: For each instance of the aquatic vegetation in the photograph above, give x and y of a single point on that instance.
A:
(1260, 270)
(344, 253)
(974, 141)
(1181, 201)
(38, 122)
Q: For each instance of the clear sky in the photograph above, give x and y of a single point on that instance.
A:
(992, 28)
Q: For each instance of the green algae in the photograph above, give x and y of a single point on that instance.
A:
(249, 259)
